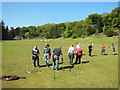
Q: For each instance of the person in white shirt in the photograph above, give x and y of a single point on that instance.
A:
(77, 45)
(35, 56)
(71, 53)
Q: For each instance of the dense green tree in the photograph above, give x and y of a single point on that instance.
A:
(112, 22)
(5, 31)
(106, 23)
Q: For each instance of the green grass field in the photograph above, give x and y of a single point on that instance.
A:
(100, 72)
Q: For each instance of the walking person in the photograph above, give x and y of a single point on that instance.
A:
(35, 56)
(78, 55)
(113, 49)
(47, 54)
(57, 52)
(90, 47)
(103, 49)
(71, 53)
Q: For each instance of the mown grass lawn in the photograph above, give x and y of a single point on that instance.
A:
(99, 72)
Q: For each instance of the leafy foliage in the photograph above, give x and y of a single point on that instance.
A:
(95, 23)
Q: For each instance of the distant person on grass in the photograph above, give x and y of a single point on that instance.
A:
(103, 49)
(90, 47)
(35, 56)
(57, 52)
(113, 49)
(47, 54)
(78, 55)
(71, 53)
(77, 45)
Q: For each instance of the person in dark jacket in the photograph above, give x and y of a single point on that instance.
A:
(90, 47)
(56, 53)
(35, 56)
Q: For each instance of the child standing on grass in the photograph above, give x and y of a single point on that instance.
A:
(103, 49)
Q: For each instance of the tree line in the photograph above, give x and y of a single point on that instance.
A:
(107, 23)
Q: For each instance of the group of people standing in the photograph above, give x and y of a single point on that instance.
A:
(57, 53)
(72, 52)
(103, 49)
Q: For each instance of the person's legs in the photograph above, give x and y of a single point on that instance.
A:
(47, 59)
(80, 56)
(34, 62)
(90, 52)
(79, 61)
(113, 51)
(38, 61)
(72, 56)
(62, 60)
(76, 59)
(53, 65)
(102, 52)
(57, 63)
(69, 58)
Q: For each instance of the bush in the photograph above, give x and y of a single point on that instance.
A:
(74, 36)
(110, 33)
(82, 36)
(18, 37)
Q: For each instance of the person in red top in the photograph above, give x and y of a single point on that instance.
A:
(103, 49)
(78, 55)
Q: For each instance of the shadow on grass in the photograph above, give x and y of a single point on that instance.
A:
(93, 55)
(105, 54)
(84, 62)
(49, 65)
(115, 54)
(66, 67)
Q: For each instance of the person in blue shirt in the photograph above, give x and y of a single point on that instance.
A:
(47, 54)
